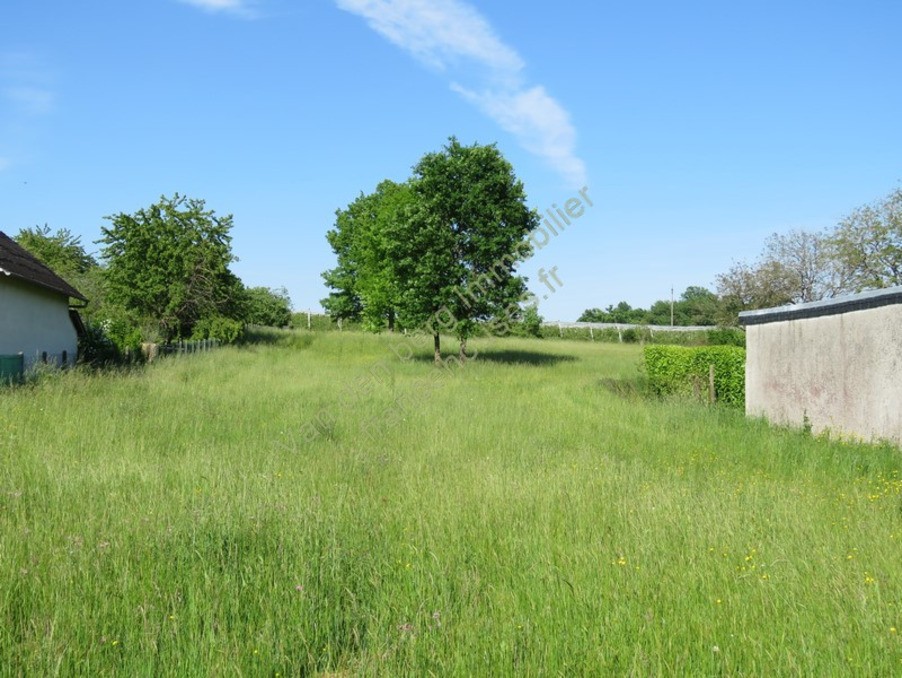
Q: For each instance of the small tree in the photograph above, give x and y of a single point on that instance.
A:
(265, 306)
(531, 323)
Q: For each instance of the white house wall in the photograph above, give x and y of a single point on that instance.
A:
(34, 321)
(840, 373)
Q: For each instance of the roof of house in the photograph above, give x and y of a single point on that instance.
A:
(19, 263)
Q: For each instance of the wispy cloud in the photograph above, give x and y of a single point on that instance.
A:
(29, 99)
(25, 86)
(539, 122)
(450, 35)
(437, 32)
(241, 8)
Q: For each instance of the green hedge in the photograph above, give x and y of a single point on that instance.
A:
(684, 370)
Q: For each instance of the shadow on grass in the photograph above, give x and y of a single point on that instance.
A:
(507, 357)
(525, 357)
(634, 388)
(255, 335)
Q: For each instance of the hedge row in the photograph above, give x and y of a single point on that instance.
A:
(684, 370)
(716, 336)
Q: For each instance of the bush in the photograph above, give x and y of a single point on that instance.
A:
(96, 348)
(631, 335)
(684, 370)
(217, 327)
(529, 325)
(119, 329)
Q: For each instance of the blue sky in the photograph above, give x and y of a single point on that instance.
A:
(699, 128)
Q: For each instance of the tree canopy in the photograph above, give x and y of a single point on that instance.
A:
(168, 265)
(365, 281)
(457, 250)
(867, 244)
(437, 252)
(265, 306)
(61, 250)
(66, 256)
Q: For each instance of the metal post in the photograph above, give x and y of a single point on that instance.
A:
(671, 307)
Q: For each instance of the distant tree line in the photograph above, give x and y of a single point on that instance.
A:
(163, 274)
(695, 306)
(862, 252)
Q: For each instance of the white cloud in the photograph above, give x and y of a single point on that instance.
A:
(30, 99)
(242, 8)
(447, 34)
(27, 96)
(540, 124)
(437, 32)
(25, 85)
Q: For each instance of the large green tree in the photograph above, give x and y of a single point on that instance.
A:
(168, 265)
(365, 281)
(455, 253)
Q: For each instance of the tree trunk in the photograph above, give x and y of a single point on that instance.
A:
(463, 350)
(438, 349)
(391, 320)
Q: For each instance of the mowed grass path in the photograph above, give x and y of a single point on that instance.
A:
(326, 507)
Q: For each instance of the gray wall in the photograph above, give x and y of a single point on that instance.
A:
(841, 366)
(33, 321)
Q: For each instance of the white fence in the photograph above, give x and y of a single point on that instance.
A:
(621, 327)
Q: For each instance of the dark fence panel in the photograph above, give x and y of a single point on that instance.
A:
(12, 368)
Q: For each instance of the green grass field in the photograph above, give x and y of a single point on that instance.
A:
(323, 507)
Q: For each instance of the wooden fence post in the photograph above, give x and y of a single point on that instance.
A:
(711, 394)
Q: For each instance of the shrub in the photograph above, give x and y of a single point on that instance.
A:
(96, 348)
(217, 327)
(125, 334)
(683, 369)
(529, 325)
(630, 335)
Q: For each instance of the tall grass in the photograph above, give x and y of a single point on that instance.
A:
(318, 505)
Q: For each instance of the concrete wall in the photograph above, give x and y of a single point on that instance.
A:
(838, 363)
(33, 321)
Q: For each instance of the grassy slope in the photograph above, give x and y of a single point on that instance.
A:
(329, 507)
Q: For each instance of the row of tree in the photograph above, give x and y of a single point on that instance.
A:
(695, 306)
(862, 252)
(163, 274)
(437, 252)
